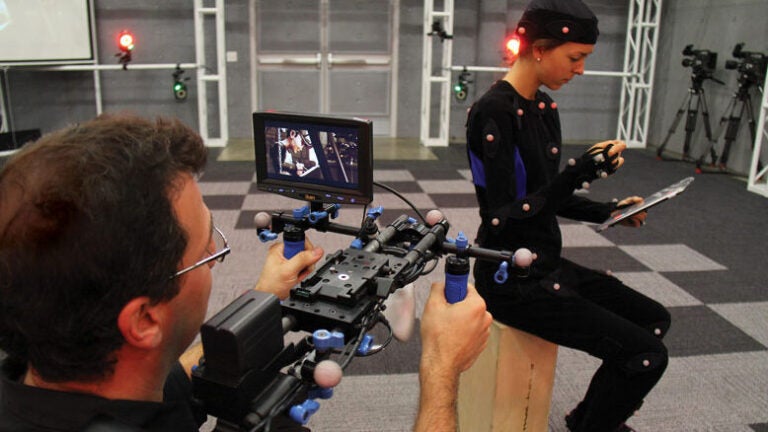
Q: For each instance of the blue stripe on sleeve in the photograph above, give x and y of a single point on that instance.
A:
(478, 169)
(521, 188)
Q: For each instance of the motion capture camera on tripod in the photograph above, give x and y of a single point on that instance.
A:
(751, 67)
(703, 64)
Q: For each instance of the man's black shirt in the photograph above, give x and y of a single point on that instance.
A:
(26, 408)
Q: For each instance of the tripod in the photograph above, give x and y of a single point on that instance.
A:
(695, 99)
(740, 103)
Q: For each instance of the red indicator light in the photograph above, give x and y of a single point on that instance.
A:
(125, 41)
(513, 45)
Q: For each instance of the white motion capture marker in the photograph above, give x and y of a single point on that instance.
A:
(434, 216)
(523, 257)
(327, 374)
(401, 312)
(262, 220)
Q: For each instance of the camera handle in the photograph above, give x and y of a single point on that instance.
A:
(457, 272)
(293, 241)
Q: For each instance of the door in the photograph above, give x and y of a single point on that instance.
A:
(335, 57)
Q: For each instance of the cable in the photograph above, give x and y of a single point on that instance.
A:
(383, 186)
(380, 347)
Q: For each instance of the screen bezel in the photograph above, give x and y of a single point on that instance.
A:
(308, 190)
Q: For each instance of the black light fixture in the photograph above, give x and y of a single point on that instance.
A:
(179, 87)
(439, 31)
(462, 85)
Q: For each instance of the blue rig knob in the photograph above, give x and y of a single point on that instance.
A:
(501, 274)
(325, 340)
(456, 277)
(356, 244)
(461, 241)
(365, 345)
(375, 212)
(293, 240)
(300, 212)
(266, 236)
(301, 413)
(316, 216)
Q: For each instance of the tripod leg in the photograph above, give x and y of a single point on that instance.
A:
(690, 124)
(752, 130)
(708, 129)
(675, 122)
(730, 134)
(712, 138)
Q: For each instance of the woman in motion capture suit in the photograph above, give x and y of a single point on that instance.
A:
(513, 147)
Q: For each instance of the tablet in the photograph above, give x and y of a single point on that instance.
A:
(648, 202)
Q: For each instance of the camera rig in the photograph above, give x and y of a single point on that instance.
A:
(249, 377)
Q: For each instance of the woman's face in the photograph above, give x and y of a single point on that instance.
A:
(558, 65)
(294, 141)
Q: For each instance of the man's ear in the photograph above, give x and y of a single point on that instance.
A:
(139, 322)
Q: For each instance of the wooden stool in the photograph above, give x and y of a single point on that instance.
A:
(509, 387)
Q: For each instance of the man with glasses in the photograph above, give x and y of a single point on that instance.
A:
(106, 250)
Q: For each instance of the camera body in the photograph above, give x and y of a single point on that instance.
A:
(751, 67)
(702, 61)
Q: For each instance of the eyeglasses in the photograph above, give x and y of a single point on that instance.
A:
(222, 250)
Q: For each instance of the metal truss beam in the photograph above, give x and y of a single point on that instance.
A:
(758, 176)
(639, 65)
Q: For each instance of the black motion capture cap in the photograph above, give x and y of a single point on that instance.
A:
(565, 20)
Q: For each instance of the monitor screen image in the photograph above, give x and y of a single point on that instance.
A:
(314, 158)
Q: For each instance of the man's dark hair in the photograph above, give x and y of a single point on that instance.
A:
(87, 224)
